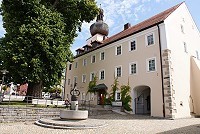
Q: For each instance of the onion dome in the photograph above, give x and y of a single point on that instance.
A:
(99, 27)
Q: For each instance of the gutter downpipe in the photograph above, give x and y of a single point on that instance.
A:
(161, 70)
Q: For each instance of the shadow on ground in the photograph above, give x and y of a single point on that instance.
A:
(193, 129)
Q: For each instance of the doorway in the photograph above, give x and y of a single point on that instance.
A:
(142, 100)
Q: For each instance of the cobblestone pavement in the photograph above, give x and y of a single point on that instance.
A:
(117, 124)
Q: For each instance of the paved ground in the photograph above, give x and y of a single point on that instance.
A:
(117, 124)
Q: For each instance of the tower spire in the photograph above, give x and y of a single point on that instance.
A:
(100, 15)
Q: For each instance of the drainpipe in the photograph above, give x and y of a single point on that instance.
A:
(159, 38)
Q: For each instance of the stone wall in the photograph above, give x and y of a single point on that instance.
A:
(169, 92)
(15, 114)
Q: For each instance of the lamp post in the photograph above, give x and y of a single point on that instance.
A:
(3, 77)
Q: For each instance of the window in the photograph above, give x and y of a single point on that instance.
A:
(150, 39)
(182, 29)
(118, 71)
(117, 96)
(102, 75)
(75, 79)
(84, 62)
(92, 76)
(84, 78)
(118, 50)
(70, 66)
(68, 82)
(197, 54)
(93, 59)
(185, 47)
(132, 46)
(76, 64)
(151, 64)
(133, 68)
(102, 56)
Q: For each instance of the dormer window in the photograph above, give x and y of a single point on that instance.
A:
(79, 51)
(87, 47)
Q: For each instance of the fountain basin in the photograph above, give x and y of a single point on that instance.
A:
(73, 114)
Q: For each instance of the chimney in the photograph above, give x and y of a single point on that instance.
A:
(127, 25)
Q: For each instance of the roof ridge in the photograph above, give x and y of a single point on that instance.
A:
(152, 21)
(172, 8)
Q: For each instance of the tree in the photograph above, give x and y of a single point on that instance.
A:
(125, 97)
(92, 84)
(114, 88)
(38, 35)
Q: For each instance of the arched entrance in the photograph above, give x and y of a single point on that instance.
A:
(142, 100)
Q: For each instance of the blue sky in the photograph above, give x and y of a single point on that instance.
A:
(119, 12)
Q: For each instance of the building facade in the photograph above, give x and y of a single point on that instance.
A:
(158, 57)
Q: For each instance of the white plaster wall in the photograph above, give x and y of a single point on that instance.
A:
(143, 52)
(97, 37)
(180, 60)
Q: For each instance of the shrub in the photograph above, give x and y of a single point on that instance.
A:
(92, 84)
(125, 97)
(114, 89)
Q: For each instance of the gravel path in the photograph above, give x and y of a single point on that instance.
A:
(117, 124)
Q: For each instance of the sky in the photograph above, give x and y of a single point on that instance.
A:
(119, 12)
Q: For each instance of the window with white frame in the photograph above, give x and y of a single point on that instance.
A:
(118, 71)
(102, 74)
(117, 95)
(132, 45)
(75, 79)
(76, 64)
(118, 50)
(133, 68)
(197, 54)
(84, 62)
(84, 78)
(151, 64)
(102, 55)
(150, 39)
(185, 47)
(93, 59)
(92, 76)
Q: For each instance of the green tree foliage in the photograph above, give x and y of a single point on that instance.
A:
(38, 35)
(125, 97)
(55, 89)
(92, 84)
(114, 89)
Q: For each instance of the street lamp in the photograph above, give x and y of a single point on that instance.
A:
(4, 73)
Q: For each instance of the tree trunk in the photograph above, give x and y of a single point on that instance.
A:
(34, 91)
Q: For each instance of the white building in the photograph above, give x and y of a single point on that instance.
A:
(159, 56)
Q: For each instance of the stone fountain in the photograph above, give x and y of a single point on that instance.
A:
(74, 113)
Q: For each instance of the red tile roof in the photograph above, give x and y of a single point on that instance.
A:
(143, 25)
(159, 18)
